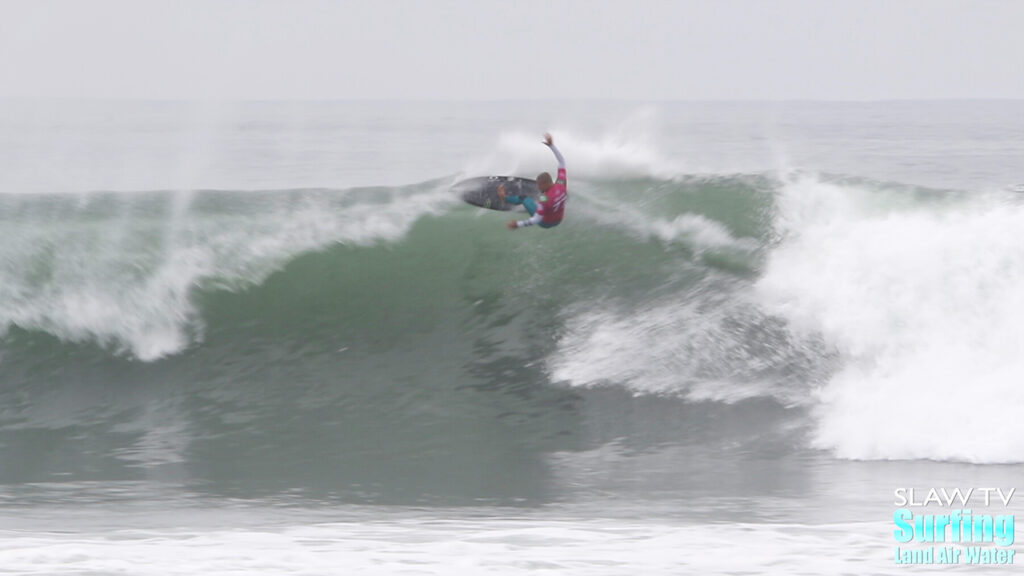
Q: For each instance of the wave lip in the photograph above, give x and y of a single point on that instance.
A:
(121, 269)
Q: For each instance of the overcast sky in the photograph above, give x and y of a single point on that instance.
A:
(479, 49)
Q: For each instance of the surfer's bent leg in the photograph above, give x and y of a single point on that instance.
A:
(526, 201)
(530, 205)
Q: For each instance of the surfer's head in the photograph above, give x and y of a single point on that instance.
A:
(544, 181)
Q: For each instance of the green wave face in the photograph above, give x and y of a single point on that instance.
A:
(396, 345)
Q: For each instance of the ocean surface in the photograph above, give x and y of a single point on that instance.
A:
(265, 337)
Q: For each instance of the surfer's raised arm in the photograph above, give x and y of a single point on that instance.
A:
(550, 143)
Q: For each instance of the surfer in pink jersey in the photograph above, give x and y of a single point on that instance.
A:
(549, 208)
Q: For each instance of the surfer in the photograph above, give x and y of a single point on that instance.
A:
(549, 208)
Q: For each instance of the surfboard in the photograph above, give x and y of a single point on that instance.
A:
(483, 191)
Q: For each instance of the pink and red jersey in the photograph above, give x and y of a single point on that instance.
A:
(551, 207)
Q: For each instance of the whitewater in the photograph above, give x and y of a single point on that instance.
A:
(266, 336)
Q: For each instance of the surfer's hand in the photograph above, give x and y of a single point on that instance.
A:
(548, 140)
(511, 225)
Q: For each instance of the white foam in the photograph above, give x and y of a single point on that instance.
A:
(696, 231)
(458, 544)
(925, 304)
(686, 346)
